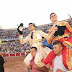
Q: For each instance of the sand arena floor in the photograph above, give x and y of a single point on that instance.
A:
(15, 64)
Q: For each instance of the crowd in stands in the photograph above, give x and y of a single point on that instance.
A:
(15, 46)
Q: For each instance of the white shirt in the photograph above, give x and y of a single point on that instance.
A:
(58, 64)
(55, 24)
(32, 31)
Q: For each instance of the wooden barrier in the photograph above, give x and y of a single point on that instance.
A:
(13, 54)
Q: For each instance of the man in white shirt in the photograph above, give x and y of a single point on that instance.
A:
(59, 59)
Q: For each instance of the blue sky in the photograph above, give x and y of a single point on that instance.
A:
(13, 12)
